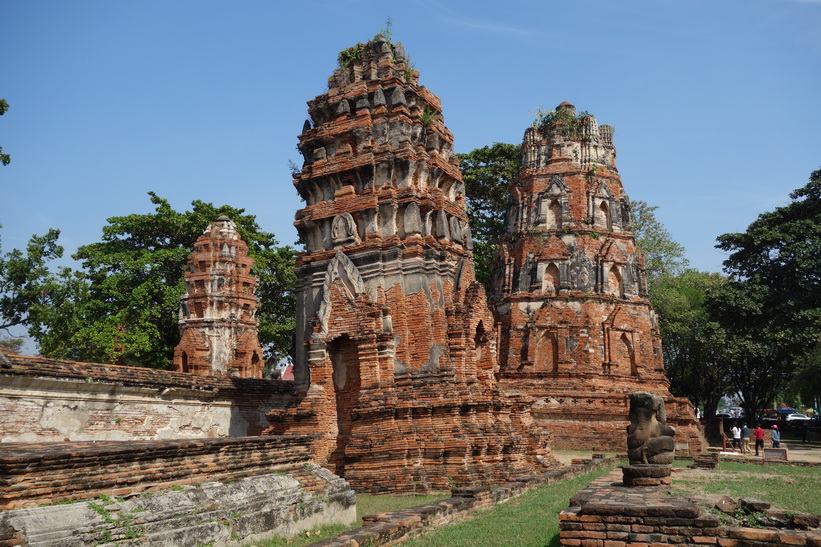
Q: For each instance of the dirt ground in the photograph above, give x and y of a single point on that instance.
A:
(796, 452)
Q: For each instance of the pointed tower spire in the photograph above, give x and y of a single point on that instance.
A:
(217, 321)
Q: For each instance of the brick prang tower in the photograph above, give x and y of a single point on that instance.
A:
(570, 292)
(218, 324)
(395, 345)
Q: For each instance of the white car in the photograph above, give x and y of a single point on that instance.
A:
(794, 417)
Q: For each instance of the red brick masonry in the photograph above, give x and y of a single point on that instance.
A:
(607, 514)
(41, 473)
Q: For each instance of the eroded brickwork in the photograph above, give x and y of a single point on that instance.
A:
(611, 515)
(570, 292)
(218, 325)
(396, 350)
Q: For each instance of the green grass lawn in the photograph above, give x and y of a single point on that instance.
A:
(787, 487)
(530, 519)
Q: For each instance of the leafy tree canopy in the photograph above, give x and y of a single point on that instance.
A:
(777, 263)
(123, 307)
(25, 280)
(807, 380)
(771, 308)
(488, 172)
(695, 359)
(663, 256)
(11, 345)
(5, 159)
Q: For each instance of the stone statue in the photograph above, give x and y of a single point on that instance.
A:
(649, 438)
(343, 229)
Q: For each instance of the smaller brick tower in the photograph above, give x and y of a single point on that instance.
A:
(218, 309)
(577, 329)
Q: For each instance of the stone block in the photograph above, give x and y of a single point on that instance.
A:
(753, 505)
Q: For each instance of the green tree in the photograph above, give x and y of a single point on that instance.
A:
(772, 307)
(11, 345)
(123, 307)
(663, 256)
(488, 173)
(5, 159)
(26, 283)
(695, 360)
(758, 368)
(807, 380)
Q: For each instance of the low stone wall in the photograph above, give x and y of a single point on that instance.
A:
(393, 528)
(607, 514)
(50, 400)
(206, 513)
(41, 473)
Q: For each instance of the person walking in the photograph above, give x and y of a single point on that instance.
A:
(775, 436)
(745, 439)
(759, 439)
(736, 437)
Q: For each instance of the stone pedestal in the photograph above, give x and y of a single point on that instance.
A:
(646, 475)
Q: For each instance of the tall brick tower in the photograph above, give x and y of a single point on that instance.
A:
(218, 310)
(395, 346)
(570, 292)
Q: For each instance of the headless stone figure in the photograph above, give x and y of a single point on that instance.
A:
(649, 438)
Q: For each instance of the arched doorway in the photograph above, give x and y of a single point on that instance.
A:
(547, 354)
(614, 282)
(604, 215)
(554, 215)
(550, 280)
(344, 356)
(625, 357)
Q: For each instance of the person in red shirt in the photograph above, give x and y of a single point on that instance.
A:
(759, 439)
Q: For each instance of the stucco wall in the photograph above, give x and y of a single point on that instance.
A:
(48, 400)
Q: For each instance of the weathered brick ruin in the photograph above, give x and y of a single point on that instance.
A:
(49, 400)
(182, 452)
(577, 329)
(218, 325)
(228, 491)
(404, 380)
(396, 349)
(611, 514)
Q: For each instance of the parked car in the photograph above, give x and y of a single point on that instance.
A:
(796, 417)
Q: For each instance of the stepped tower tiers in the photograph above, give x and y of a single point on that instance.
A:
(395, 345)
(218, 309)
(577, 329)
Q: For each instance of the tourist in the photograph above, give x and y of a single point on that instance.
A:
(775, 436)
(745, 439)
(736, 437)
(759, 439)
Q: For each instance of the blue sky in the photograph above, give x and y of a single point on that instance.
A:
(715, 103)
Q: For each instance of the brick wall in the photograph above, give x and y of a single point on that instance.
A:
(606, 514)
(159, 493)
(49, 400)
(39, 473)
